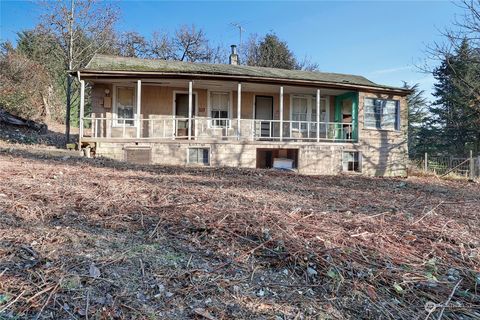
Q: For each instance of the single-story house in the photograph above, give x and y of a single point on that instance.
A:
(181, 113)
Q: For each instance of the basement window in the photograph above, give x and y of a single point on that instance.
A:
(351, 161)
(199, 156)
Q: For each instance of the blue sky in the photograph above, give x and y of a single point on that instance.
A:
(381, 40)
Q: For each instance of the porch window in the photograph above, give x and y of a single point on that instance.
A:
(198, 156)
(125, 108)
(300, 108)
(351, 161)
(304, 108)
(382, 114)
(219, 108)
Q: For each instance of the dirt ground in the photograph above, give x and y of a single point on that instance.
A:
(99, 239)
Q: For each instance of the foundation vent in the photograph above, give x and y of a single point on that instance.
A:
(139, 155)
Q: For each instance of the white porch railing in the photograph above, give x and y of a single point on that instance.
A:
(204, 128)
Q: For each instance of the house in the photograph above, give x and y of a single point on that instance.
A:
(180, 113)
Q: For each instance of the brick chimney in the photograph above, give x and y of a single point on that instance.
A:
(234, 55)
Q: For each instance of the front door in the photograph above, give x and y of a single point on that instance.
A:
(264, 111)
(181, 113)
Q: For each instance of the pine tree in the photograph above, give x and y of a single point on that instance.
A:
(455, 110)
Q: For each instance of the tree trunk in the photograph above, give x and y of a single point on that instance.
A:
(67, 115)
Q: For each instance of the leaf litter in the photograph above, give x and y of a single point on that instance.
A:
(101, 239)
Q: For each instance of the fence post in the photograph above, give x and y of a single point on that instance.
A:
(425, 163)
(472, 167)
(478, 166)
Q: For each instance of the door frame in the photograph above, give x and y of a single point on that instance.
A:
(174, 102)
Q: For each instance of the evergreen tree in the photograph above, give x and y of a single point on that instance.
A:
(417, 116)
(455, 110)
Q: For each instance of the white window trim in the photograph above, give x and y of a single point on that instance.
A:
(174, 105)
(115, 122)
(209, 107)
(360, 162)
(398, 118)
(311, 105)
(196, 163)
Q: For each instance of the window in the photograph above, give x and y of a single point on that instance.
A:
(382, 114)
(304, 108)
(351, 161)
(219, 107)
(198, 156)
(125, 108)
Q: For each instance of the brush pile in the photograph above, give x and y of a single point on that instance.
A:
(99, 239)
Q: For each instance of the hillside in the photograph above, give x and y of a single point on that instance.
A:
(99, 239)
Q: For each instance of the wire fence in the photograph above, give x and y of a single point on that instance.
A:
(441, 165)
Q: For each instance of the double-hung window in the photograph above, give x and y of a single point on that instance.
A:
(219, 108)
(304, 109)
(300, 108)
(125, 106)
(382, 114)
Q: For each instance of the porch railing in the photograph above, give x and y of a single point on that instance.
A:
(204, 128)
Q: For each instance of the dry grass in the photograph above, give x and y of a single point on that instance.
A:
(98, 239)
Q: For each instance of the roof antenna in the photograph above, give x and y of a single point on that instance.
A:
(241, 29)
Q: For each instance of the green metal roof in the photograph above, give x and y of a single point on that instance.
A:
(108, 63)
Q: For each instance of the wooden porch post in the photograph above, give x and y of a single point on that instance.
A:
(139, 107)
(281, 113)
(82, 111)
(190, 107)
(239, 108)
(318, 115)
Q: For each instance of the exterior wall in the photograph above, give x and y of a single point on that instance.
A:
(323, 159)
(157, 101)
(384, 152)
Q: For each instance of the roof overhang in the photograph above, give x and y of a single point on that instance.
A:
(93, 75)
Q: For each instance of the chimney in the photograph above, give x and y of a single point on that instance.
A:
(234, 55)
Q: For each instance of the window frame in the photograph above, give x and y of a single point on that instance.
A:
(115, 122)
(397, 124)
(359, 162)
(210, 108)
(311, 107)
(199, 163)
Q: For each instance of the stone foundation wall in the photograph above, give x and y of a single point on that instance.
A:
(323, 159)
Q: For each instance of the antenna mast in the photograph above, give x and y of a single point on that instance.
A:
(241, 29)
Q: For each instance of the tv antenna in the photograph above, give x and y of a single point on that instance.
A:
(241, 29)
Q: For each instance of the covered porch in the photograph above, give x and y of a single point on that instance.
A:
(212, 110)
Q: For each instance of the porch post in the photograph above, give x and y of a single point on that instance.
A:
(355, 117)
(318, 115)
(139, 107)
(239, 108)
(82, 111)
(190, 107)
(281, 113)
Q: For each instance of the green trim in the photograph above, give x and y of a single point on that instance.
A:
(338, 113)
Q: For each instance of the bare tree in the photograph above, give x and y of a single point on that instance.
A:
(188, 43)
(191, 45)
(133, 44)
(81, 28)
(466, 28)
(161, 46)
